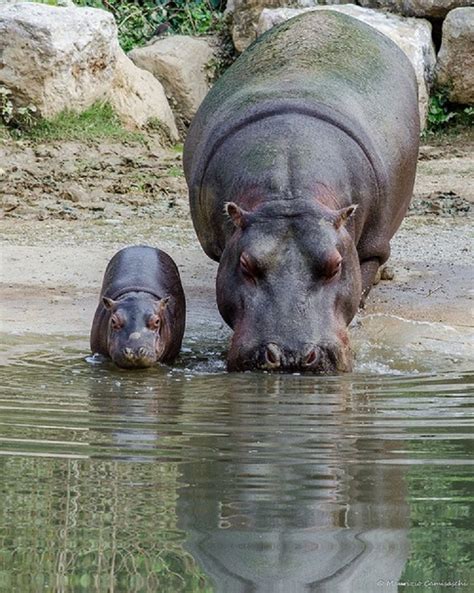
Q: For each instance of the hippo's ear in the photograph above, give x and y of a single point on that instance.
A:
(108, 303)
(342, 216)
(162, 304)
(236, 214)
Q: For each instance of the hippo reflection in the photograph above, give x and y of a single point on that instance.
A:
(299, 174)
(286, 502)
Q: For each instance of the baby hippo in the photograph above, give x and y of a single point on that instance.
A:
(141, 314)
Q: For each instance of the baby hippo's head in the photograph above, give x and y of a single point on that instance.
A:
(139, 330)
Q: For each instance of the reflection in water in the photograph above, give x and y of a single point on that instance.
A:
(293, 505)
(191, 480)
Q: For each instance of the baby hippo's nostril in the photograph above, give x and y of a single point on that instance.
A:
(310, 358)
(128, 353)
(142, 352)
(273, 356)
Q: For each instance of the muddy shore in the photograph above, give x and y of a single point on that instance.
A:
(66, 208)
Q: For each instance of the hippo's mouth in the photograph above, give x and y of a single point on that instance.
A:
(131, 359)
(321, 360)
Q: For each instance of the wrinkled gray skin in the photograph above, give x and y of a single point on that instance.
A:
(300, 165)
(140, 318)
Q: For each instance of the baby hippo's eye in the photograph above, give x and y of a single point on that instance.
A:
(154, 322)
(116, 322)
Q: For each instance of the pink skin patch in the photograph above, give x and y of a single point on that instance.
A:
(250, 199)
(326, 197)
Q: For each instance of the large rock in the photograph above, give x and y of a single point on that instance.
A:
(413, 36)
(183, 65)
(246, 14)
(57, 2)
(419, 8)
(139, 98)
(455, 68)
(56, 58)
(69, 58)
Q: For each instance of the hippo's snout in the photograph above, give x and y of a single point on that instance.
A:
(138, 358)
(273, 357)
(307, 358)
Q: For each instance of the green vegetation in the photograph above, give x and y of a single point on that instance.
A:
(12, 116)
(139, 20)
(440, 515)
(50, 2)
(85, 529)
(175, 171)
(99, 121)
(444, 116)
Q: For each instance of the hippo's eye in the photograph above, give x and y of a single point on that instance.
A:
(247, 267)
(334, 269)
(154, 322)
(116, 322)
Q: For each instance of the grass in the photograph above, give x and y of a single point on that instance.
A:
(96, 123)
(175, 172)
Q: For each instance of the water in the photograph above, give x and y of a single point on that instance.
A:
(191, 479)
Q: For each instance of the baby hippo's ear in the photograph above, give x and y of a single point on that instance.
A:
(109, 304)
(237, 214)
(343, 215)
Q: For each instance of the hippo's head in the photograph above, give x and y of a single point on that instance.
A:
(289, 284)
(138, 331)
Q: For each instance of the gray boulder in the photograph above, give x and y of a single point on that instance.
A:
(413, 36)
(58, 2)
(56, 58)
(455, 67)
(139, 98)
(419, 8)
(68, 58)
(184, 66)
(247, 12)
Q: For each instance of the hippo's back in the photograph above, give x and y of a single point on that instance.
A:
(325, 64)
(141, 268)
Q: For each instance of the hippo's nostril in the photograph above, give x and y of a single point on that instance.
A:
(310, 358)
(273, 355)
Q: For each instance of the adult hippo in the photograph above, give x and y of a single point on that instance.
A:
(140, 318)
(300, 164)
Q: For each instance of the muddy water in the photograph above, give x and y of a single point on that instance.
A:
(190, 479)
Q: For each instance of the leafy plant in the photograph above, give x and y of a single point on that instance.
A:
(13, 116)
(138, 21)
(438, 112)
(443, 115)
